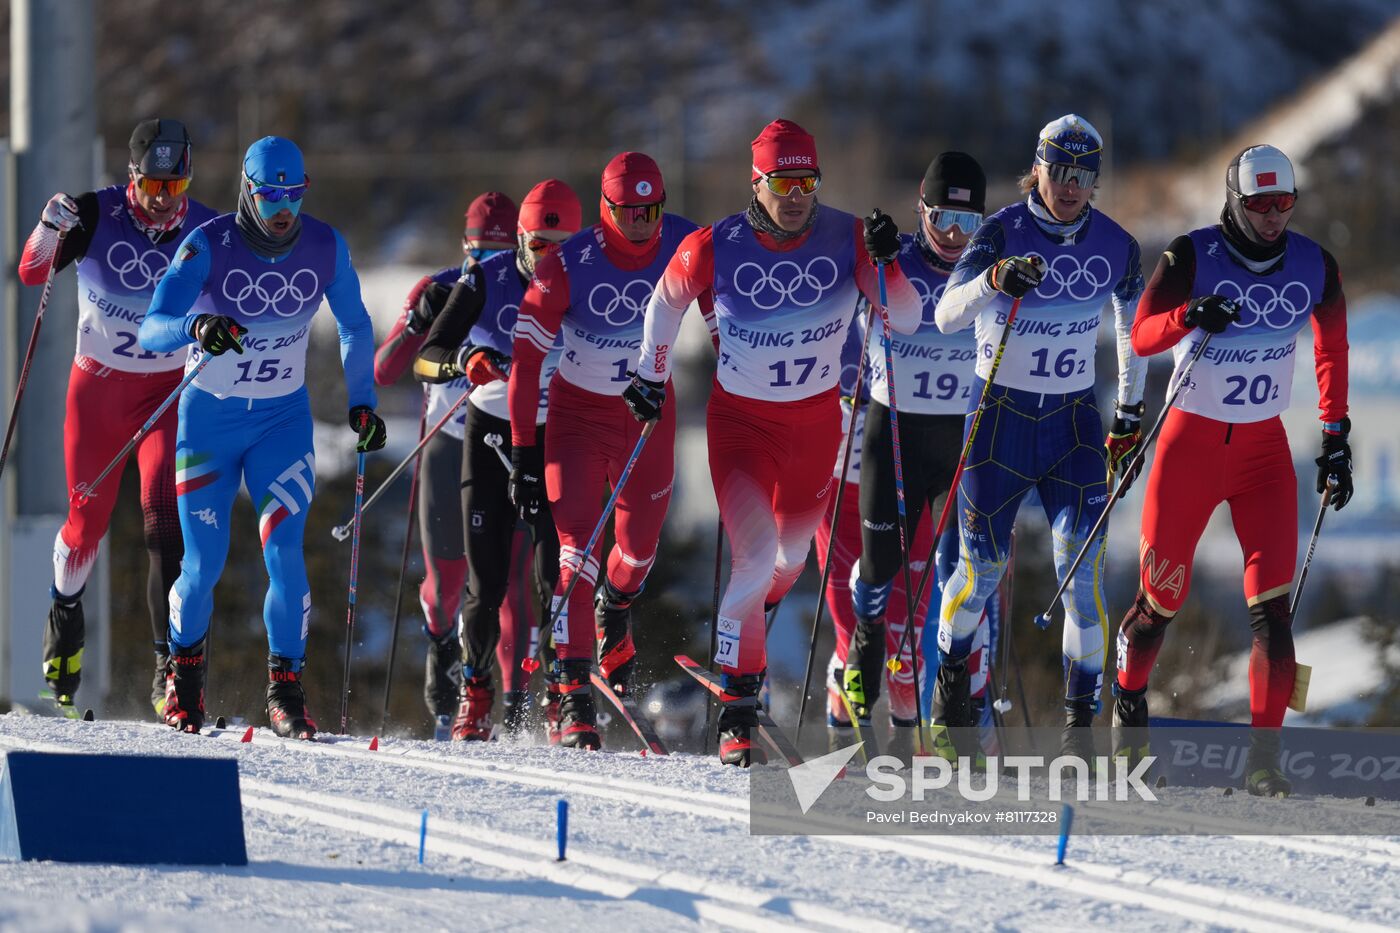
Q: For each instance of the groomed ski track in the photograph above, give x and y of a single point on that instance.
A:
(333, 840)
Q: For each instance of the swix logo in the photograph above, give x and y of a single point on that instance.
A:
(734, 233)
(586, 257)
(1213, 249)
(207, 516)
(1164, 576)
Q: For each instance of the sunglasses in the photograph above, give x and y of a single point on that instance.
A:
(635, 212)
(540, 240)
(806, 185)
(174, 187)
(945, 220)
(1062, 174)
(275, 193)
(1263, 203)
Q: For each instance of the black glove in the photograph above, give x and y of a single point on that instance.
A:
(370, 427)
(1124, 438)
(644, 398)
(1211, 313)
(1334, 466)
(217, 334)
(881, 237)
(429, 305)
(527, 481)
(1017, 276)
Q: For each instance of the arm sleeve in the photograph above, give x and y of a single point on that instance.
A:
(1329, 325)
(541, 314)
(689, 275)
(1132, 369)
(905, 309)
(167, 323)
(968, 290)
(437, 360)
(355, 328)
(399, 348)
(1160, 320)
(39, 248)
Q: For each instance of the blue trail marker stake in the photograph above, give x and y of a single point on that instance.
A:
(1066, 820)
(423, 836)
(562, 824)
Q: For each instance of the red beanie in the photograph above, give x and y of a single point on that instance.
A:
(783, 145)
(633, 178)
(551, 205)
(491, 219)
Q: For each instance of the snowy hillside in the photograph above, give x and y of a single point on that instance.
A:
(656, 843)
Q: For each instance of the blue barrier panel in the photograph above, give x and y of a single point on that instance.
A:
(118, 808)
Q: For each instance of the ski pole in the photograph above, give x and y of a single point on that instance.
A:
(1312, 546)
(714, 623)
(602, 520)
(835, 519)
(1003, 700)
(83, 492)
(403, 571)
(962, 462)
(341, 532)
(29, 353)
(1043, 619)
(494, 441)
(354, 574)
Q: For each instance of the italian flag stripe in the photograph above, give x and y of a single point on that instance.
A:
(272, 515)
(183, 486)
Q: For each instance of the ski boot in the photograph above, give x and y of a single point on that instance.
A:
(515, 711)
(1130, 739)
(839, 731)
(183, 707)
(1263, 775)
(549, 706)
(1077, 737)
(578, 720)
(286, 700)
(863, 675)
(63, 650)
(442, 674)
(473, 722)
(739, 719)
(951, 707)
(158, 681)
(612, 614)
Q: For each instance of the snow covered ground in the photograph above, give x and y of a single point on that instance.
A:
(655, 843)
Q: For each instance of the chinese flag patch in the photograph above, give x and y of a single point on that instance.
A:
(1263, 179)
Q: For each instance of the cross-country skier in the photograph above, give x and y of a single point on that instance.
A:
(1041, 428)
(250, 282)
(122, 239)
(594, 291)
(489, 229)
(471, 342)
(785, 275)
(933, 391)
(1251, 285)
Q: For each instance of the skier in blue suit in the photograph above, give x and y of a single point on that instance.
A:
(251, 282)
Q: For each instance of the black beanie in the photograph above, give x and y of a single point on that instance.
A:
(955, 180)
(161, 148)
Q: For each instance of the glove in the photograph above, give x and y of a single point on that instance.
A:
(482, 365)
(527, 481)
(370, 427)
(1211, 313)
(61, 213)
(644, 398)
(429, 304)
(1124, 437)
(881, 237)
(1017, 276)
(1334, 465)
(217, 334)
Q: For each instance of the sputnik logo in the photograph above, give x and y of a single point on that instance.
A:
(811, 778)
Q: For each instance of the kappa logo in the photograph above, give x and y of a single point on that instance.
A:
(137, 271)
(1261, 303)
(786, 283)
(207, 516)
(271, 291)
(1064, 275)
(586, 256)
(620, 307)
(735, 232)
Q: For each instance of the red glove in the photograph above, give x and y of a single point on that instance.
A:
(482, 365)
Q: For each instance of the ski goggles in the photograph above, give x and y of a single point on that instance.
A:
(1263, 203)
(782, 186)
(646, 213)
(479, 254)
(276, 193)
(540, 240)
(945, 220)
(173, 187)
(1062, 173)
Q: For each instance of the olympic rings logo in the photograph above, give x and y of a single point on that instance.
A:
(272, 291)
(786, 282)
(505, 320)
(627, 304)
(928, 298)
(1065, 275)
(137, 271)
(1261, 303)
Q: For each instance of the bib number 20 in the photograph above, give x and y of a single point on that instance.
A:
(1254, 391)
